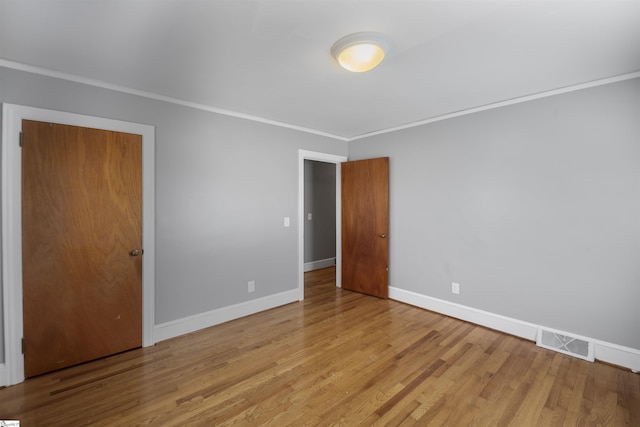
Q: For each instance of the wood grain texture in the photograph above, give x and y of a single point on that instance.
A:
(365, 226)
(336, 358)
(81, 218)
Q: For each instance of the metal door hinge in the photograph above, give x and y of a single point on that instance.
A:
(22, 345)
(20, 139)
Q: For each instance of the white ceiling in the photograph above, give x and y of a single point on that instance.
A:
(270, 58)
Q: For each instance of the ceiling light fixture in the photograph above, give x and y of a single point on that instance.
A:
(360, 52)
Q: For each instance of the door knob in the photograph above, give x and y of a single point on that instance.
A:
(383, 235)
(135, 252)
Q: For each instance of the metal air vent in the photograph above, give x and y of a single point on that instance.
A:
(566, 343)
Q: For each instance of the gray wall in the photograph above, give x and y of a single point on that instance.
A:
(533, 208)
(223, 187)
(320, 201)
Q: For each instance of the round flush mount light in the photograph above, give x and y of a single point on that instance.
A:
(360, 52)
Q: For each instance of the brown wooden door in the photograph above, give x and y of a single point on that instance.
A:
(81, 221)
(365, 226)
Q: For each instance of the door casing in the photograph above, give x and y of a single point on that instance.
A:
(12, 116)
(327, 158)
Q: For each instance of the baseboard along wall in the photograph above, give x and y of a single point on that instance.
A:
(317, 265)
(175, 328)
(604, 351)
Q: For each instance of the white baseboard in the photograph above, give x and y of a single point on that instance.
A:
(194, 323)
(3, 375)
(317, 265)
(490, 320)
(606, 352)
(618, 355)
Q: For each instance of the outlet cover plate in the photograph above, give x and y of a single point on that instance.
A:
(455, 288)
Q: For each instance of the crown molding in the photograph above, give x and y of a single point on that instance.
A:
(500, 104)
(150, 95)
(118, 88)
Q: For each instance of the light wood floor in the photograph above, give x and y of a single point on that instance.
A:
(338, 358)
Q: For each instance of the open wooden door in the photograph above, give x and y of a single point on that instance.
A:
(365, 226)
(81, 244)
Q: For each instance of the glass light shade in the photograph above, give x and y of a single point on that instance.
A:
(361, 57)
(360, 52)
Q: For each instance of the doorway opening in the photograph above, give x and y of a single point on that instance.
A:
(319, 215)
(303, 216)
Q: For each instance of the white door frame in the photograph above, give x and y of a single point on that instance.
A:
(327, 158)
(12, 116)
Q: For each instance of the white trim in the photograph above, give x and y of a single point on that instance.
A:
(176, 328)
(328, 158)
(12, 116)
(511, 326)
(501, 104)
(3, 375)
(321, 263)
(123, 89)
(615, 354)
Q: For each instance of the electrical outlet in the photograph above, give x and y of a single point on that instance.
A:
(455, 288)
(252, 286)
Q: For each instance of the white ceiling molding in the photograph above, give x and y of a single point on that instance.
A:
(270, 61)
(104, 85)
(77, 79)
(506, 103)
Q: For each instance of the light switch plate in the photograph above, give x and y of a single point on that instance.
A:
(287, 221)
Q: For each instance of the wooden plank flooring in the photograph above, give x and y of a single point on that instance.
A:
(338, 358)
